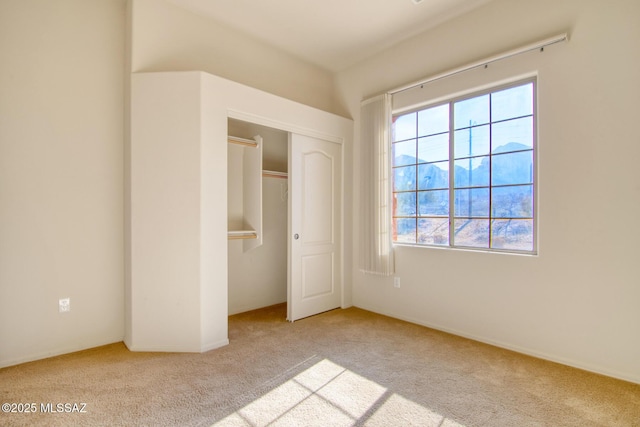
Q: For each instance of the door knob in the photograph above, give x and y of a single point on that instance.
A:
(296, 236)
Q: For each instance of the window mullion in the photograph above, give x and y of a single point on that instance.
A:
(416, 184)
(451, 176)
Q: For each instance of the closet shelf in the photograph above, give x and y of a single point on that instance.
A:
(242, 141)
(274, 174)
(242, 234)
(245, 180)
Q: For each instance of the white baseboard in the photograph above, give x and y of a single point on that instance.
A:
(250, 307)
(178, 349)
(57, 352)
(73, 349)
(214, 346)
(625, 376)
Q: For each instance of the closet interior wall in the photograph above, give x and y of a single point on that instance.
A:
(258, 277)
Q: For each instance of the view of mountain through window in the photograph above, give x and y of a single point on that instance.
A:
(463, 172)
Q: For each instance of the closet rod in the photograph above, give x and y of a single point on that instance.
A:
(275, 174)
(242, 141)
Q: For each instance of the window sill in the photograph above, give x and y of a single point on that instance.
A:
(463, 249)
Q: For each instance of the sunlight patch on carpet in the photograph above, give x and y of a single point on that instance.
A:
(400, 411)
(329, 394)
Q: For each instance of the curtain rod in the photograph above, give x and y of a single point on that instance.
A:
(523, 49)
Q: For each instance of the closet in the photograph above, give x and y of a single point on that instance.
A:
(183, 274)
(257, 191)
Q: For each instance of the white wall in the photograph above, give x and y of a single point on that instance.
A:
(178, 289)
(165, 37)
(577, 301)
(61, 175)
(169, 38)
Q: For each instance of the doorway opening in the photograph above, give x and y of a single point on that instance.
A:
(257, 277)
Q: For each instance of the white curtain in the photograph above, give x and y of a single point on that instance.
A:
(376, 250)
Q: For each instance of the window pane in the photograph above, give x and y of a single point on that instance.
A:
(404, 230)
(512, 168)
(471, 232)
(433, 120)
(404, 178)
(487, 200)
(404, 153)
(513, 102)
(472, 202)
(404, 127)
(433, 148)
(473, 172)
(515, 234)
(405, 204)
(512, 202)
(472, 142)
(512, 135)
(433, 202)
(433, 175)
(433, 231)
(471, 112)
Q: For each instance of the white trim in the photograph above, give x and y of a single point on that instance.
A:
(214, 345)
(625, 376)
(60, 352)
(287, 127)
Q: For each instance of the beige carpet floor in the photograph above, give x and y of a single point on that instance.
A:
(341, 368)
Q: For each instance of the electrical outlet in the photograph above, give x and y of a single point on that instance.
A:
(64, 305)
(396, 282)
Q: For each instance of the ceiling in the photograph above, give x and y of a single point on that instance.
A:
(333, 34)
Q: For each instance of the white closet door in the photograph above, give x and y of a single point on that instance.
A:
(315, 205)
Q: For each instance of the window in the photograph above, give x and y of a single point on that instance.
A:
(463, 172)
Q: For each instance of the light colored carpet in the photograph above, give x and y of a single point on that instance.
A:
(341, 368)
